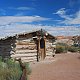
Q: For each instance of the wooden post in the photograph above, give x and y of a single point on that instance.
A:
(38, 48)
(37, 43)
(45, 48)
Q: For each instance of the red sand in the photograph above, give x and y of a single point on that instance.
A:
(61, 67)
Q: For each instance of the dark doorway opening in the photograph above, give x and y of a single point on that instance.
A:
(42, 43)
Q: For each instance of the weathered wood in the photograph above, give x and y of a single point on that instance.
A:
(26, 43)
(26, 48)
(20, 46)
(29, 60)
(24, 55)
(32, 51)
(25, 52)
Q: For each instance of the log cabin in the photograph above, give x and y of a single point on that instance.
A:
(32, 46)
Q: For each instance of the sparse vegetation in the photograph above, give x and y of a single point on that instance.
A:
(10, 70)
(79, 49)
(63, 48)
(72, 49)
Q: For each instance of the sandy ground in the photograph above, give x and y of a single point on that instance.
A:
(61, 67)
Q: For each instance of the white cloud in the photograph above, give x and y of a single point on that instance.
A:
(4, 20)
(21, 8)
(67, 18)
(24, 8)
(62, 13)
(13, 29)
(75, 20)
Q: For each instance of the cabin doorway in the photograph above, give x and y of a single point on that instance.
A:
(42, 49)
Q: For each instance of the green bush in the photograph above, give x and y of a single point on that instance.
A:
(10, 70)
(61, 48)
(72, 49)
(79, 49)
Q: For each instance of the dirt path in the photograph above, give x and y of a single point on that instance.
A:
(61, 67)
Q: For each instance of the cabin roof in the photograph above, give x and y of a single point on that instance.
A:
(37, 33)
(31, 34)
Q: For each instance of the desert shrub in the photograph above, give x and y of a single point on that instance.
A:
(28, 68)
(79, 49)
(72, 49)
(61, 48)
(75, 45)
(62, 44)
(10, 70)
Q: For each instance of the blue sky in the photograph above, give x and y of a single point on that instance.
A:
(58, 17)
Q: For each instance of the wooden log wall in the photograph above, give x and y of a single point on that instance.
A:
(26, 50)
(7, 47)
(49, 49)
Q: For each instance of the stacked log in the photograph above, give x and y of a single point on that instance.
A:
(26, 50)
(7, 46)
(49, 49)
